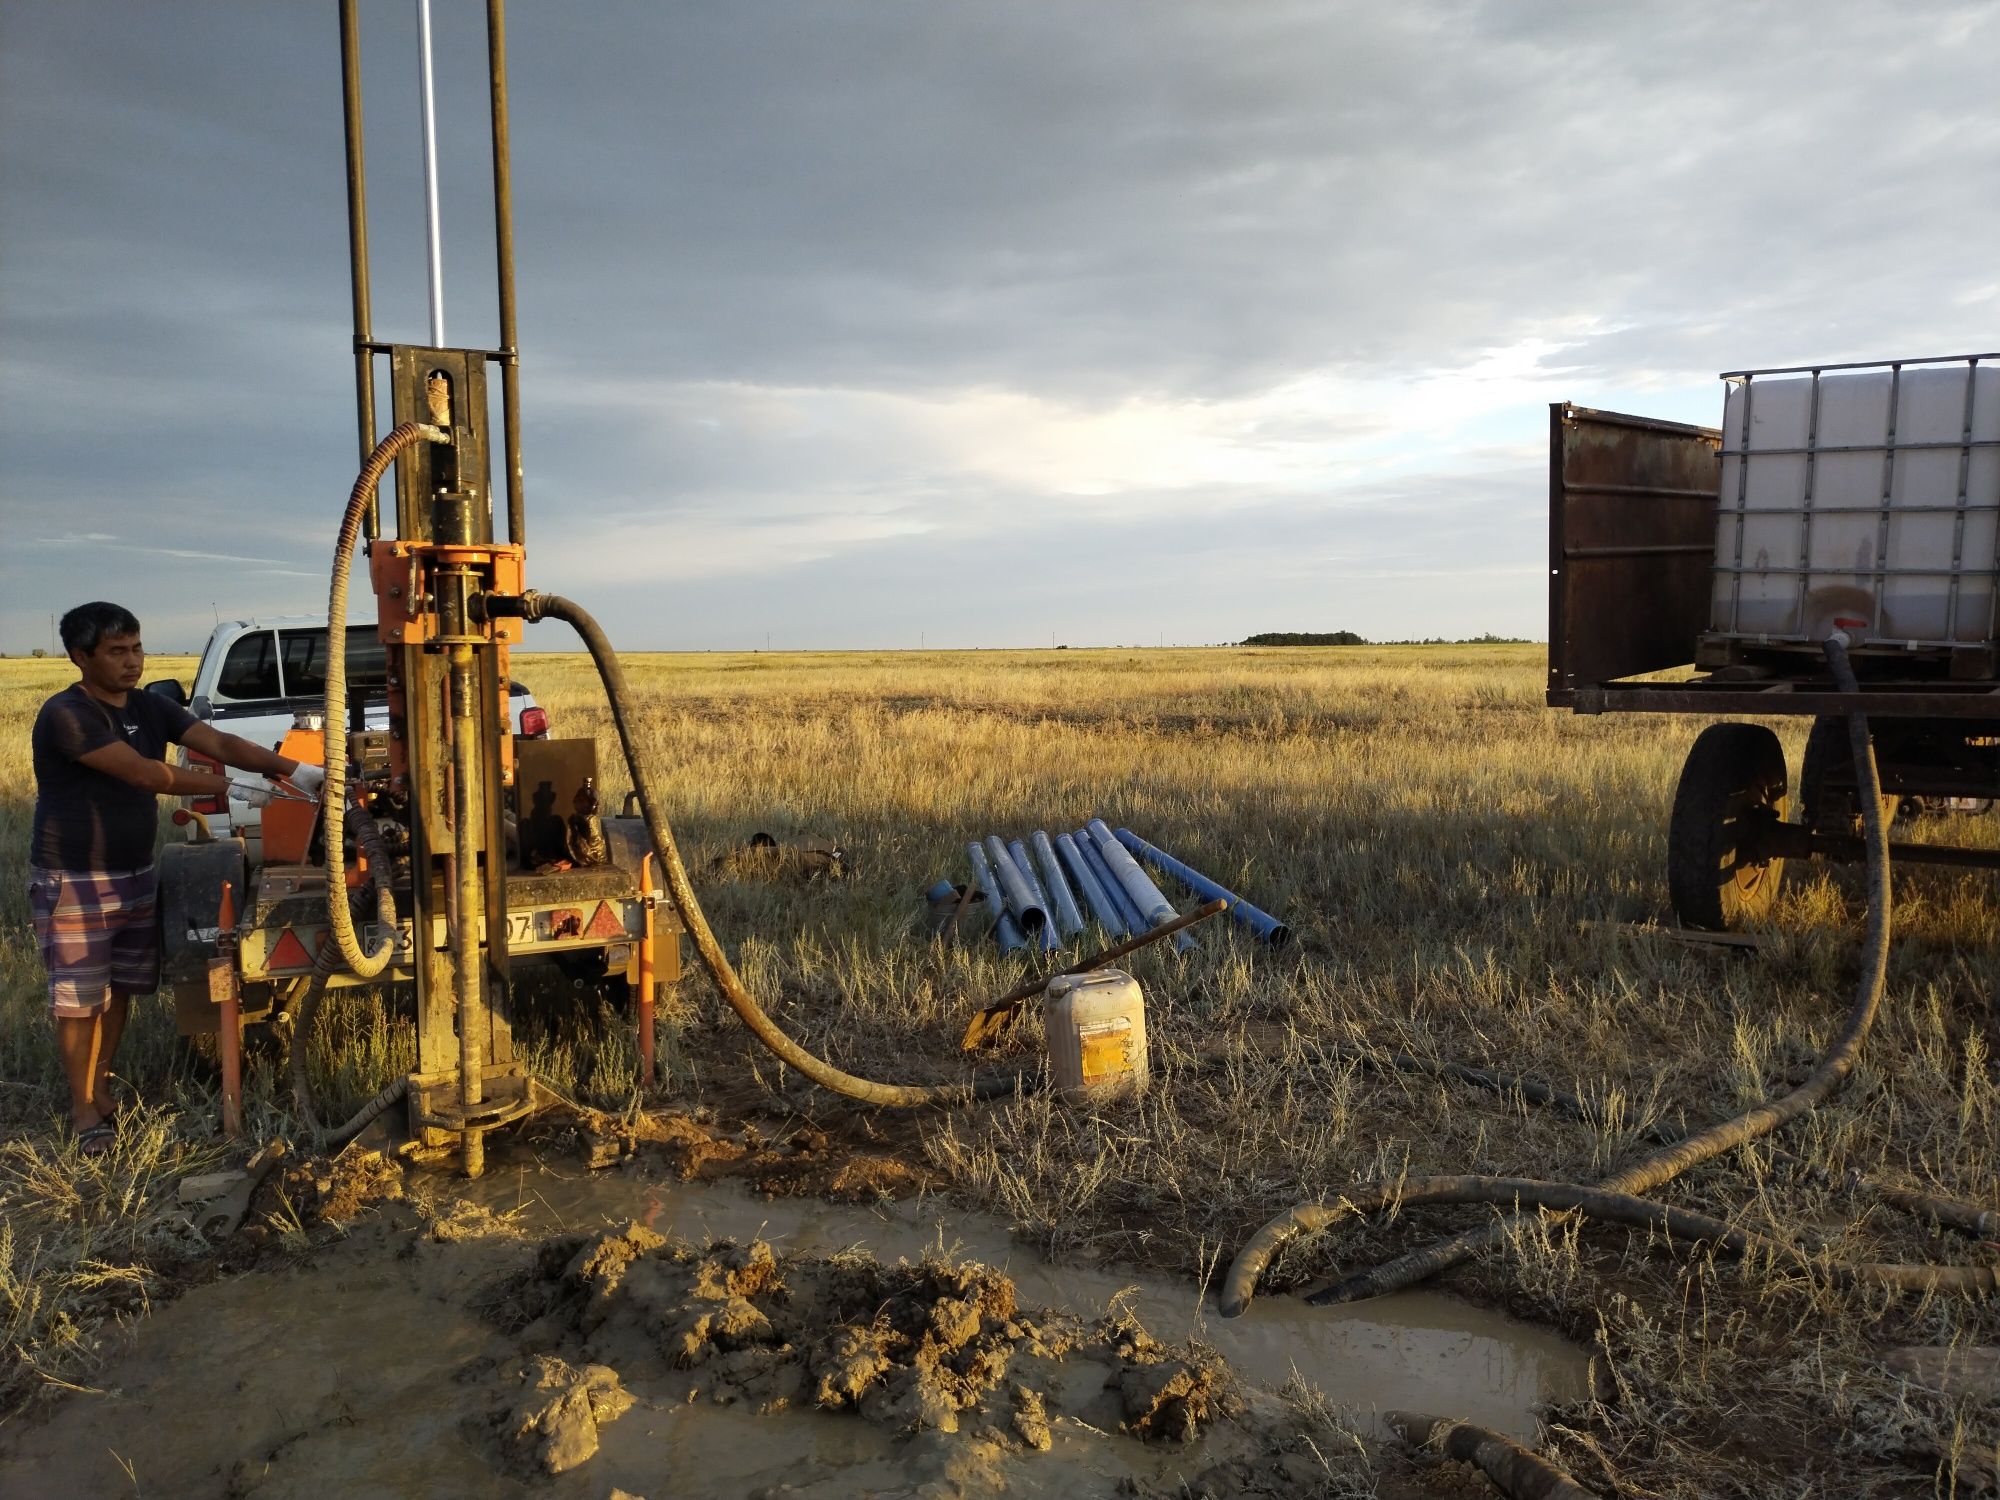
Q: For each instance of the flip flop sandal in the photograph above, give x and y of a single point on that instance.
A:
(96, 1140)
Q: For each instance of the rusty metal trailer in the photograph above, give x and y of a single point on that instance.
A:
(1634, 507)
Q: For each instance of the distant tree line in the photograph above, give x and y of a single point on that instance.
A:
(1349, 638)
(1305, 638)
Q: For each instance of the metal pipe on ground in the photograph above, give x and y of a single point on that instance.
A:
(1006, 931)
(1020, 896)
(1018, 851)
(1146, 896)
(1266, 926)
(1130, 915)
(1068, 918)
(1102, 907)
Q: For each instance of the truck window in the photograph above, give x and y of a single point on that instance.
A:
(250, 670)
(305, 662)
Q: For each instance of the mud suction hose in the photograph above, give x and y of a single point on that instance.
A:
(533, 606)
(364, 963)
(1671, 1160)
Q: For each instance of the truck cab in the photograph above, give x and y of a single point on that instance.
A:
(257, 675)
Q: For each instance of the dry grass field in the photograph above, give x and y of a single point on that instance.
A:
(1453, 858)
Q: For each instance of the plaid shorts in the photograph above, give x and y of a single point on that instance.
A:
(97, 933)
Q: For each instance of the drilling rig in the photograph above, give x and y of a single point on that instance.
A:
(446, 856)
(438, 857)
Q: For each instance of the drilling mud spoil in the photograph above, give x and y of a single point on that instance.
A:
(553, 1333)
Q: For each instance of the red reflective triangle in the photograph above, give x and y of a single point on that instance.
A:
(604, 923)
(290, 953)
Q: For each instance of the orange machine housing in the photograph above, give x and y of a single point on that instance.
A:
(288, 825)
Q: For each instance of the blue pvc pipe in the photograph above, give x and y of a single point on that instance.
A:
(1138, 884)
(1261, 922)
(1134, 919)
(1018, 851)
(1102, 907)
(1006, 931)
(1068, 918)
(1020, 895)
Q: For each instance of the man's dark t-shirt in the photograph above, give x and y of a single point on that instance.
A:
(84, 819)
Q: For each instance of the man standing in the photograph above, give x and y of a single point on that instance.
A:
(99, 749)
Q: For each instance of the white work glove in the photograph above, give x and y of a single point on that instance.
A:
(309, 779)
(250, 794)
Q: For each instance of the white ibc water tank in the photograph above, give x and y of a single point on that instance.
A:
(1871, 495)
(1096, 1025)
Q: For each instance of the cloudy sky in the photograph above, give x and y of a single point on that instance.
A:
(977, 324)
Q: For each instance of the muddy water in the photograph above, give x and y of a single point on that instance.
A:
(1417, 1350)
(368, 1372)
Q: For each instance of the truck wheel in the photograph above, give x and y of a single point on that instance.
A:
(1732, 788)
(1826, 809)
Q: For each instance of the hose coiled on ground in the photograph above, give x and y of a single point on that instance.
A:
(1670, 1161)
(534, 607)
(364, 963)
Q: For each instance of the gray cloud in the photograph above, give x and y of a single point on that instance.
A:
(1195, 320)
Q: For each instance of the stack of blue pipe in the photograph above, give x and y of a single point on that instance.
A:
(1034, 888)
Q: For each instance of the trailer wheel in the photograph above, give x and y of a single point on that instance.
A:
(1732, 788)
(1826, 809)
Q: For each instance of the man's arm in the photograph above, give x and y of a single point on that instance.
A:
(234, 750)
(128, 765)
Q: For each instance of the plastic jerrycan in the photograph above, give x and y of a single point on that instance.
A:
(1096, 1025)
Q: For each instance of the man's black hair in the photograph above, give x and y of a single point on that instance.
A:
(87, 624)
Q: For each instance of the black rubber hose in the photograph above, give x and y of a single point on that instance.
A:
(1593, 1203)
(535, 606)
(1513, 1470)
(1703, 1145)
(1947, 1213)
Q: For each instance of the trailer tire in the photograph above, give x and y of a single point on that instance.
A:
(1732, 785)
(1834, 810)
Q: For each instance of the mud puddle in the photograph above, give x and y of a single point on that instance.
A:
(1416, 1350)
(520, 1337)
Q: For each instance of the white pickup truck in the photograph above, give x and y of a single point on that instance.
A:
(256, 675)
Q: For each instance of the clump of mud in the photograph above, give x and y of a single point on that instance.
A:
(804, 1163)
(930, 1347)
(338, 1190)
(551, 1422)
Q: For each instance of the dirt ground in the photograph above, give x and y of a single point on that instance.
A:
(416, 1334)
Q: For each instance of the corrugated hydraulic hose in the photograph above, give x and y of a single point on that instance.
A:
(334, 794)
(534, 606)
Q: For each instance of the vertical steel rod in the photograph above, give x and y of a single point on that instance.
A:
(357, 245)
(503, 244)
(1877, 626)
(466, 961)
(429, 105)
(1806, 513)
(222, 989)
(1958, 520)
(645, 1005)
